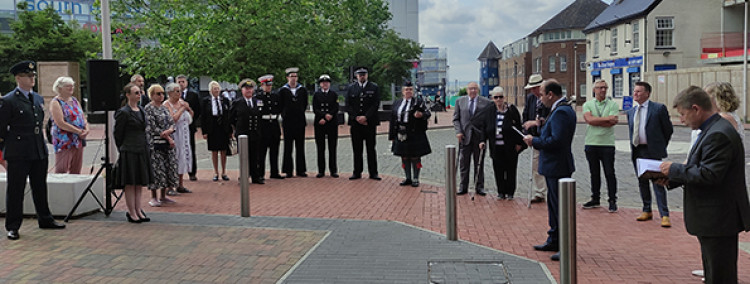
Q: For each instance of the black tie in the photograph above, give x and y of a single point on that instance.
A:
(404, 113)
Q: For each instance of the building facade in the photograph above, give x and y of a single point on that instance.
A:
(488, 70)
(405, 19)
(433, 71)
(515, 69)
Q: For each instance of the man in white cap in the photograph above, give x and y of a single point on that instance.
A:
(363, 101)
(293, 105)
(270, 108)
(326, 125)
(533, 114)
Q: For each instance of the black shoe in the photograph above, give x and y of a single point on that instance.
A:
(127, 214)
(481, 192)
(13, 235)
(258, 181)
(193, 178)
(591, 204)
(501, 196)
(320, 175)
(415, 183)
(375, 177)
(277, 176)
(547, 247)
(612, 206)
(145, 218)
(353, 177)
(216, 178)
(537, 199)
(462, 192)
(289, 175)
(51, 225)
(335, 175)
(184, 190)
(405, 182)
(224, 177)
(555, 257)
(303, 175)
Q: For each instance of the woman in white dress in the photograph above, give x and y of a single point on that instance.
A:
(183, 115)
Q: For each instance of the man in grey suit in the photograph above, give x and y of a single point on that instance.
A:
(650, 130)
(469, 121)
(716, 201)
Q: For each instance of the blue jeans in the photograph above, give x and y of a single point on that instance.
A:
(659, 191)
(606, 156)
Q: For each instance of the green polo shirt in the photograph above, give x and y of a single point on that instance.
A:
(598, 135)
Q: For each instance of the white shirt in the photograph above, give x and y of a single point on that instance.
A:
(642, 129)
(216, 106)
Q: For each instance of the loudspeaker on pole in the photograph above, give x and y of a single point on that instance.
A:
(104, 84)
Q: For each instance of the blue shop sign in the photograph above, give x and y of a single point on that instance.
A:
(618, 63)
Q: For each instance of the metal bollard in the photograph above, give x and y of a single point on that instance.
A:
(244, 152)
(568, 231)
(450, 192)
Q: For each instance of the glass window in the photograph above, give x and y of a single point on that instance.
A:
(664, 32)
(582, 61)
(617, 85)
(613, 44)
(634, 77)
(596, 45)
(551, 64)
(563, 63)
(564, 90)
(582, 90)
(636, 35)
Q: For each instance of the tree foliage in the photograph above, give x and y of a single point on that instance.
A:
(234, 39)
(44, 36)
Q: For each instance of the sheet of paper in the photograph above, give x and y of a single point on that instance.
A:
(648, 168)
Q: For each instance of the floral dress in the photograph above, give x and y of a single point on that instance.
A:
(163, 158)
(73, 114)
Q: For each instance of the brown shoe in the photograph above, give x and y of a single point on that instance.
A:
(645, 216)
(665, 222)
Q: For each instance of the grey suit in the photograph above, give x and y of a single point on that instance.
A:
(472, 127)
(716, 202)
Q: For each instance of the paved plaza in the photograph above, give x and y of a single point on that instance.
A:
(327, 230)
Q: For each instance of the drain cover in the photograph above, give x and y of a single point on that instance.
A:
(467, 271)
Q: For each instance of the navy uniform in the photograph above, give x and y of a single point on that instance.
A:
(244, 116)
(293, 105)
(270, 110)
(25, 150)
(363, 99)
(325, 102)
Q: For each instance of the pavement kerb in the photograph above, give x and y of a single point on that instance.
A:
(303, 258)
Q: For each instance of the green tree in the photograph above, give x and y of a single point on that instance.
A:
(230, 40)
(462, 92)
(44, 36)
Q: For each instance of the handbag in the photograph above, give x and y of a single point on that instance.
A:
(232, 147)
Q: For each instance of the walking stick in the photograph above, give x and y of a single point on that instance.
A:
(476, 171)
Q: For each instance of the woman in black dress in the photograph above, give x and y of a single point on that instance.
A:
(408, 127)
(216, 128)
(505, 143)
(133, 169)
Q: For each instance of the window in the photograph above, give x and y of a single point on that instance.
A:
(582, 90)
(596, 44)
(664, 32)
(563, 63)
(564, 90)
(538, 65)
(617, 85)
(613, 44)
(582, 61)
(636, 36)
(551, 64)
(634, 77)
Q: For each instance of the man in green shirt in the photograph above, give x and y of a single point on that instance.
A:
(601, 116)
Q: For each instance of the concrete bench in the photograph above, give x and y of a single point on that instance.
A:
(63, 190)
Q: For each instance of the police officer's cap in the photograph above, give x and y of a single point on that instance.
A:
(324, 78)
(408, 84)
(266, 79)
(291, 70)
(23, 67)
(361, 70)
(246, 82)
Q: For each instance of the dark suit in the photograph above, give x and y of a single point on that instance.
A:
(556, 159)
(716, 201)
(218, 128)
(363, 102)
(659, 130)
(326, 103)
(246, 121)
(472, 127)
(195, 104)
(270, 129)
(293, 107)
(25, 151)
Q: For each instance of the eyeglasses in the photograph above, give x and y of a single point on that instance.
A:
(160, 93)
(498, 97)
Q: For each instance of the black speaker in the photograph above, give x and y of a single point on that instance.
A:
(104, 84)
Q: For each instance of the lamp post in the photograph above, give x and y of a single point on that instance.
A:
(515, 80)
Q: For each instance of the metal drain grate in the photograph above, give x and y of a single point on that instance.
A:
(467, 271)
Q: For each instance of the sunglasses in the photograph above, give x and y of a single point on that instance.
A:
(160, 93)
(498, 97)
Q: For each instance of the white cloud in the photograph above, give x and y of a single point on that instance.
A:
(465, 27)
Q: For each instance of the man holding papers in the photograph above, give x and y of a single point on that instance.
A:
(650, 130)
(716, 201)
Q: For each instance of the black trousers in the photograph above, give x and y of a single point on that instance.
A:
(364, 133)
(18, 171)
(194, 167)
(505, 166)
(270, 145)
(719, 255)
(254, 145)
(331, 131)
(294, 140)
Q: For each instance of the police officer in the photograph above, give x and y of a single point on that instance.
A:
(326, 124)
(293, 105)
(270, 108)
(21, 120)
(363, 101)
(245, 118)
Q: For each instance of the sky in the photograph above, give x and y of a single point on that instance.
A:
(464, 27)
